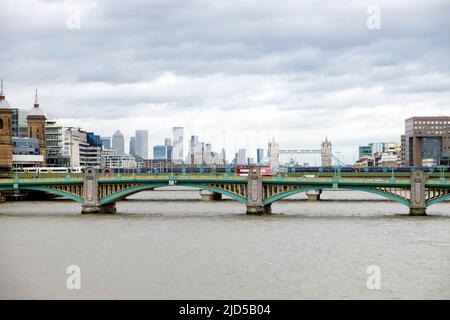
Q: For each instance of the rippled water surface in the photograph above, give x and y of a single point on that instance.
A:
(169, 245)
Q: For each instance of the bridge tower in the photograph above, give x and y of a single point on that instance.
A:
(36, 128)
(255, 193)
(273, 154)
(6, 145)
(326, 151)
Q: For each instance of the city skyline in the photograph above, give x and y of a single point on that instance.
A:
(395, 155)
(308, 77)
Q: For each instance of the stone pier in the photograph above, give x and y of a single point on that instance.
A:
(210, 195)
(2, 198)
(91, 202)
(255, 194)
(314, 195)
(418, 205)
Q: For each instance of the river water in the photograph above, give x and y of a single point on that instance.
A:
(167, 244)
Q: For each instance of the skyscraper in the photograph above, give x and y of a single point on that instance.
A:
(118, 143)
(159, 152)
(169, 148)
(259, 155)
(241, 157)
(177, 151)
(106, 142)
(142, 143)
(133, 146)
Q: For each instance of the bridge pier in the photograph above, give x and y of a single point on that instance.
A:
(259, 210)
(255, 194)
(2, 198)
(210, 195)
(314, 195)
(91, 202)
(418, 205)
(101, 209)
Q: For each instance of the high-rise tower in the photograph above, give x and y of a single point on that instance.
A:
(6, 148)
(36, 128)
(118, 143)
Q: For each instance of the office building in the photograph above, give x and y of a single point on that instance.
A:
(365, 151)
(383, 154)
(159, 152)
(118, 143)
(80, 152)
(427, 141)
(116, 161)
(178, 141)
(141, 144)
(241, 157)
(106, 142)
(54, 141)
(132, 146)
(259, 155)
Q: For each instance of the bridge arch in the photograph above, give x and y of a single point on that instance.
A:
(61, 193)
(132, 190)
(355, 188)
(437, 200)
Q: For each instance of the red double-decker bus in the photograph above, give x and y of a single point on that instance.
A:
(243, 170)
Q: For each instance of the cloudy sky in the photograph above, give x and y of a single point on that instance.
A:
(233, 72)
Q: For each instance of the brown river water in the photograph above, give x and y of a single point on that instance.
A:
(167, 244)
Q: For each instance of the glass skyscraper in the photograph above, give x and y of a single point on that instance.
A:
(106, 142)
(118, 143)
(142, 143)
(159, 152)
(133, 146)
(259, 155)
(177, 151)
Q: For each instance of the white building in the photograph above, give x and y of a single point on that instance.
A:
(81, 154)
(54, 142)
(118, 161)
(142, 143)
(241, 156)
(178, 141)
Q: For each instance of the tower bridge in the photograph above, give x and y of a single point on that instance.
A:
(325, 152)
(99, 193)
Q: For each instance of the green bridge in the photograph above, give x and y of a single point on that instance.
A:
(98, 193)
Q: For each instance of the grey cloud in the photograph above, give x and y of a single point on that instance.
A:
(313, 64)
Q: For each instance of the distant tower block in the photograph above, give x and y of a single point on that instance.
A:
(6, 146)
(326, 153)
(36, 128)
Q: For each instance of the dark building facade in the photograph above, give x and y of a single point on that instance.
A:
(426, 141)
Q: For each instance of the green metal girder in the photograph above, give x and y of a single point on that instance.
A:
(356, 188)
(45, 189)
(437, 200)
(129, 191)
